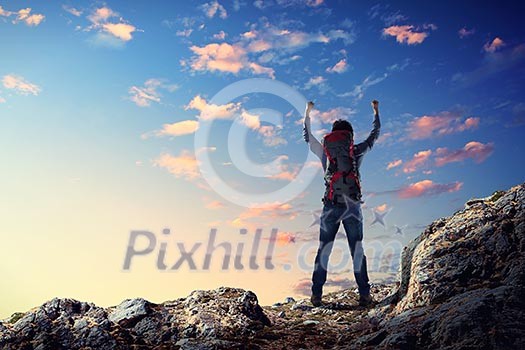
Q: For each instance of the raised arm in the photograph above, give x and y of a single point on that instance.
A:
(367, 144)
(315, 145)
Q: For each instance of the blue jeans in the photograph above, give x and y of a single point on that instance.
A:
(352, 218)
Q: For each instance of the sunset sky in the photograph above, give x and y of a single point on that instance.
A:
(103, 104)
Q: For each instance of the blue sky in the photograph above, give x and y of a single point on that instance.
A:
(100, 104)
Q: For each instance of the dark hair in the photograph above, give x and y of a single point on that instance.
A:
(341, 124)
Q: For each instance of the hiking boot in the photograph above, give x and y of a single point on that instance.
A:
(316, 300)
(366, 300)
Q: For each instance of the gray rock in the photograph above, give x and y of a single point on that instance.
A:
(129, 312)
(289, 300)
(310, 322)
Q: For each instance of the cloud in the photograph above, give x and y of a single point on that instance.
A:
(314, 3)
(442, 124)
(185, 165)
(184, 127)
(518, 112)
(214, 205)
(319, 82)
(331, 115)
(359, 90)
(464, 32)
(494, 63)
(4, 12)
(209, 111)
(75, 12)
(143, 96)
(271, 37)
(185, 33)
(220, 35)
(253, 218)
(212, 8)
(120, 30)
(224, 58)
(441, 156)
(100, 21)
(427, 188)
(20, 85)
(23, 15)
(262, 4)
(270, 137)
(475, 150)
(252, 121)
(407, 34)
(284, 173)
(388, 17)
(339, 67)
(419, 160)
(267, 212)
(2, 100)
(258, 69)
(261, 44)
(394, 164)
(381, 208)
(494, 45)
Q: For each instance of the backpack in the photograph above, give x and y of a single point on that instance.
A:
(341, 176)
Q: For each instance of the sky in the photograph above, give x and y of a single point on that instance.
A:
(181, 122)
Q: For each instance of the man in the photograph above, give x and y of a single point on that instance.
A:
(341, 160)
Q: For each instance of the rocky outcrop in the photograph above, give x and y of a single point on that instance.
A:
(462, 287)
(463, 281)
(206, 318)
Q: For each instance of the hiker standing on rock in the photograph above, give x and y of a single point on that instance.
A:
(341, 160)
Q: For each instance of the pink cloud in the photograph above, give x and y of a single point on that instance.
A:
(143, 96)
(212, 8)
(252, 218)
(25, 16)
(394, 163)
(20, 85)
(339, 67)
(494, 45)
(225, 58)
(419, 160)
(270, 210)
(184, 127)
(442, 124)
(478, 151)
(184, 165)
(333, 114)
(464, 32)
(427, 188)
(284, 175)
(220, 35)
(258, 69)
(100, 19)
(210, 111)
(120, 30)
(381, 208)
(314, 3)
(214, 205)
(406, 34)
(75, 12)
